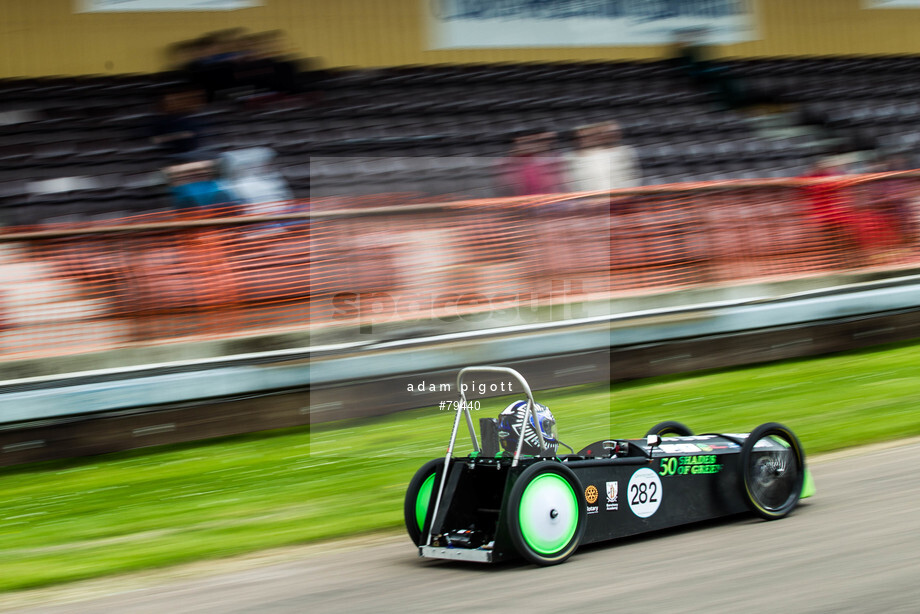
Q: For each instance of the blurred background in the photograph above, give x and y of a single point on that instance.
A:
(271, 179)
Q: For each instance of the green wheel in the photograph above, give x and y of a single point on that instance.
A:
(546, 514)
(422, 488)
(772, 470)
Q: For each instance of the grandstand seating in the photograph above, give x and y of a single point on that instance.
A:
(460, 118)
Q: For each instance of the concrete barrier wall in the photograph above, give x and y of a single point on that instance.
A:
(181, 422)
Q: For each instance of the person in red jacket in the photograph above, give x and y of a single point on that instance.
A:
(855, 234)
(829, 206)
(892, 199)
(533, 166)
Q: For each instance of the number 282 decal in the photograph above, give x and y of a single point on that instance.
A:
(644, 492)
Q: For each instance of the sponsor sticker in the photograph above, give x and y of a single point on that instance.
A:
(613, 491)
(690, 465)
(679, 448)
(724, 446)
(591, 494)
(644, 492)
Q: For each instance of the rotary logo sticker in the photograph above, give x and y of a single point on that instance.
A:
(591, 494)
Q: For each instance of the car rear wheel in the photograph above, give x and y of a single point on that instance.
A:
(422, 488)
(772, 470)
(670, 427)
(546, 513)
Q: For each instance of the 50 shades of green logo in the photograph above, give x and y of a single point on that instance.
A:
(690, 465)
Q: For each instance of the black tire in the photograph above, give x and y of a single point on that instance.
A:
(670, 427)
(546, 513)
(422, 486)
(771, 479)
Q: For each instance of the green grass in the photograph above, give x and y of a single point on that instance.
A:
(68, 520)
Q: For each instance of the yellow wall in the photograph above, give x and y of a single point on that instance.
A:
(45, 37)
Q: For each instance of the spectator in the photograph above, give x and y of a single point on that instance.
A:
(195, 188)
(845, 230)
(233, 65)
(601, 162)
(532, 167)
(281, 74)
(269, 73)
(892, 199)
(175, 128)
(179, 57)
(250, 179)
(212, 68)
(695, 58)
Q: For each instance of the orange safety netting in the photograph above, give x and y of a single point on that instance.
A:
(160, 278)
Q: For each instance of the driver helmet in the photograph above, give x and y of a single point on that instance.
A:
(511, 420)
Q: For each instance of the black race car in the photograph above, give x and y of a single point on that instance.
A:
(516, 495)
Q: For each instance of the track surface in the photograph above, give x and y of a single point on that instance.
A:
(855, 547)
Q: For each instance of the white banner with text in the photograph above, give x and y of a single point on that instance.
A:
(124, 6)
(464, 24)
